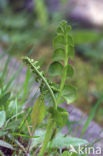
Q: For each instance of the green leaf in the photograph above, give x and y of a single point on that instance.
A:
(71, 51)
(70, 40)
(60, 116)
(5, 144)
(61, 141)
(59, 54)
(59, 41)
(2, 118)
(38, 112)
(68, 28)
(63, 24)
(64, 27)
(59, 30)
(69, 93)
(55, 69)
(70, 71)
(12, 125)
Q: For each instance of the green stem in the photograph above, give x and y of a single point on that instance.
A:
(51, 126)
(65, 71)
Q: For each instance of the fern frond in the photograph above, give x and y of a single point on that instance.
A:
(39, 76)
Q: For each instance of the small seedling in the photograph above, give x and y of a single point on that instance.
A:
(57, 92)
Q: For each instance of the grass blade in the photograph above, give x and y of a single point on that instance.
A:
(23, 135)
(90, 118)
(6, 67)
(13, 78)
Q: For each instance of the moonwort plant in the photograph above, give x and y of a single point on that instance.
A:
(58, 92)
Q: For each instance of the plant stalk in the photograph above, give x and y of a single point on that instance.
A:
(51, 126)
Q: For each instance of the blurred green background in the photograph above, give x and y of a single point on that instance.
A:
(27, 27)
